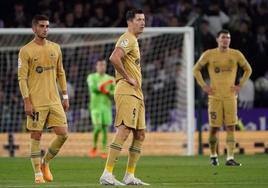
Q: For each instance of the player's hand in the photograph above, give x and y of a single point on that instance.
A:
(208, 90)
(65, 104)
(28, 107)
(236, 88)
(133, 82)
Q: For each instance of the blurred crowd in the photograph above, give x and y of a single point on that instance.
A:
(247, 19)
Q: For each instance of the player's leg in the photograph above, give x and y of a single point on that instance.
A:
(135, 148)
(35, 124)
(215, 114)
(53, 150)
(96, 121)
(124, 124)
(36, 156)
(120, 137)
(133, 157)
(230, 114)
(104, 131)
(56, 120)
(230, 142)
(107, 121)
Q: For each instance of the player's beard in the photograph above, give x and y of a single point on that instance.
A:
(42, 36)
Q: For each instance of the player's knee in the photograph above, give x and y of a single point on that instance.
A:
(212, 139)
(60, 130)
(140, 136)
(214, 130)
(124, 136)
(62, 137)
(230, 128)
(123, 133)
(230, 140)
(36, 135)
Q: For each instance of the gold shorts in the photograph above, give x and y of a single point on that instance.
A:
(222, 112)
(52, 116)
(129, 111)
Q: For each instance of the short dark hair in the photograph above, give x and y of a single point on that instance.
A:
(223, 31)
(39, 17)
(131, 13)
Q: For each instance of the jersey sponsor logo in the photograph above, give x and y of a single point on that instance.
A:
(19, 63)
(124, 43)
(40, 69)
(227, 69)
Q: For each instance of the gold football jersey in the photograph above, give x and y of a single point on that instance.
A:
(222, 69)
(39, 69)
(131, 62)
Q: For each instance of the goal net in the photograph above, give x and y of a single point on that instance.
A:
(166, 60)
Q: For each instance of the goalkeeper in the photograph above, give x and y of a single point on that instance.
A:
(101, 88)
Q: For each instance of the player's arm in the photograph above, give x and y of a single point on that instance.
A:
(198, 75)
(23, 71)
(116, 60)
(62, 81)
(243, 63)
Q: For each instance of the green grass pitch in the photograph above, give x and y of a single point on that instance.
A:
(179, 172)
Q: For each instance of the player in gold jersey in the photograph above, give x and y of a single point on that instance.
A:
(39, 68)
(130, 113)
(222, 64)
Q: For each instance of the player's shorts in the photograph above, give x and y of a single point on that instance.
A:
(129, 111)
(52, 116)
(222, 112)
(101, 117)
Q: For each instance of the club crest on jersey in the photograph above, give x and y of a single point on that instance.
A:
(52, 55)
(230, 61)
(137, 61)
(124, 43)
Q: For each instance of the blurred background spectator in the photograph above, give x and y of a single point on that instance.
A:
(247, 19)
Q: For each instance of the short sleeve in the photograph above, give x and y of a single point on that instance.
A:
(124, 43)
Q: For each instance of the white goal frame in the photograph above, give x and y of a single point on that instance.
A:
(189, 57)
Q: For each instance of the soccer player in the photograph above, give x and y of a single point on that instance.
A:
(39, 68)
(101, 88)
(222, 64)
(129, 101)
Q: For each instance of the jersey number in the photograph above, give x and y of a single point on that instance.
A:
(35, 116)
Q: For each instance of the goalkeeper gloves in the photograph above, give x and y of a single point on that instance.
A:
(103, 85)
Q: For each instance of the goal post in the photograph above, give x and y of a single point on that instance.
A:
(167, 56)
